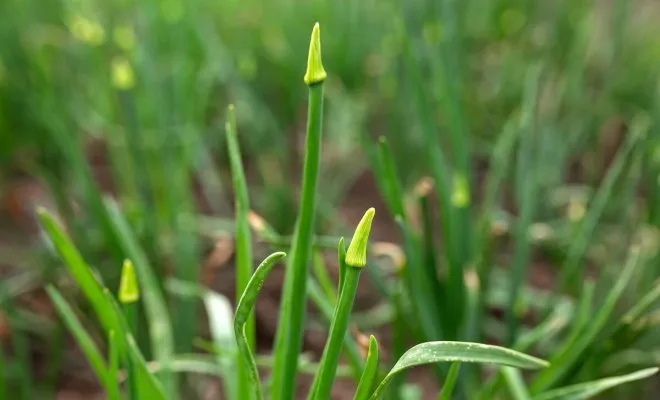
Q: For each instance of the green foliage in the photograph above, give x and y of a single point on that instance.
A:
(534, 127)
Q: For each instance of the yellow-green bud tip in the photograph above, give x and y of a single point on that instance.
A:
(129, 291)
(356, 255)
(315, 72)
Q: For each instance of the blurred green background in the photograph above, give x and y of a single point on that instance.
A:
(126, 99)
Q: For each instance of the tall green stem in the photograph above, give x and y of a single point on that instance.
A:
(330, 359)
(355, 259)
(292, 313)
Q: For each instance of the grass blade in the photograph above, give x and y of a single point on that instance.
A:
(243, 241)
(392, 192)
(289, 335)
(597, 206)
(79, 270)
(588, 390)
(565, 358)
(455, 352)
(84, 340)
(243, 311)
(370, 372)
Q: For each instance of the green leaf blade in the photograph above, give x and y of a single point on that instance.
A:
(589, 389)
(465, 352)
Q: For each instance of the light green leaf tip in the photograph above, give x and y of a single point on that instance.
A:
(356, 255)
(315, 72)
(129, 292)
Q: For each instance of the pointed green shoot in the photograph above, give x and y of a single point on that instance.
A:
(129, 292)
(357, 252)
(356, 255)
(463, 352)
(315, 72)
(370, 372)
(243, 311)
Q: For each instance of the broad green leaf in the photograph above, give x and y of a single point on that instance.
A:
(436, 352)
(590, 389)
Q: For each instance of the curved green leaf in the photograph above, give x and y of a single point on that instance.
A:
(370, 371)
(435, 352)
(243, 310)
(589, 389)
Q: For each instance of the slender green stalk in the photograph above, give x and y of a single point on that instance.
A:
(129, 294)
(243, 242)
(450, 382)
(326, 373)
(243, 312)
(327, 311)
(112, 386)
(391, 186)
(356, 259)
(423, 299)
(289, 335)
(435, 287)
(516, 384)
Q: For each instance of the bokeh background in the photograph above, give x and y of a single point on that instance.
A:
(126, 99)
